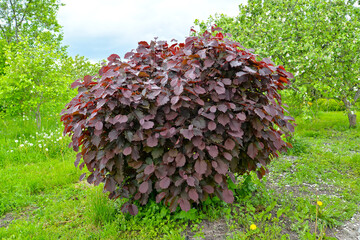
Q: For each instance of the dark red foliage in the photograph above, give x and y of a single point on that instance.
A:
(177, 120)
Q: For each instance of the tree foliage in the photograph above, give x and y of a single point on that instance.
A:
(175, 121)
(38, 75)
(30, 18)
(318, 40)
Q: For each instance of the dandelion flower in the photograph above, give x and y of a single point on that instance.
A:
(252, 227)
(319, 203)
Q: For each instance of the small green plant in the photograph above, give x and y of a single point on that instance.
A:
(324, 104)
(102, 210)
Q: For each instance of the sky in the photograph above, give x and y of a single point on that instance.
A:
(98, 28)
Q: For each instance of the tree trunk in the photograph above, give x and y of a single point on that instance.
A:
(352, 119)
(351, 114)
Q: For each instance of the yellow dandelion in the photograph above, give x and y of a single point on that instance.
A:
(252, 227)
(310, 103)
(319, 203)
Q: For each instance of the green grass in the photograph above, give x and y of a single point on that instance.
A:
(41, 197)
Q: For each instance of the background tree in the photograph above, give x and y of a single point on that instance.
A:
(29, 18)
(38, 76)
(318, 40)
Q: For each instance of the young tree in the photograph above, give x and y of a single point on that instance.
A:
(318, 40)
(38, 75)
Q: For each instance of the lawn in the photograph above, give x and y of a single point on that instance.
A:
(310, 192)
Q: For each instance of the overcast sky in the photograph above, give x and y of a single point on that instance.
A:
(97, 28)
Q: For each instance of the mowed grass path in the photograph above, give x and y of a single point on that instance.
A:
(41, 198)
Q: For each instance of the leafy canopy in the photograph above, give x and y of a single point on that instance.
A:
(318, 40)
(30, 18)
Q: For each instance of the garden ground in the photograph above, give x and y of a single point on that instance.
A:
(41, 197)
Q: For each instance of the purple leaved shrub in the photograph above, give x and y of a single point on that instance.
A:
(175, 121)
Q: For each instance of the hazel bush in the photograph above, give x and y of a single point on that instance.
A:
(176, 120)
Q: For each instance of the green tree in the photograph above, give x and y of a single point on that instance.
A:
(317, 40)
(39, 76)
(30, 18)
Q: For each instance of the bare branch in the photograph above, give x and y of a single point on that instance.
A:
(357, 95)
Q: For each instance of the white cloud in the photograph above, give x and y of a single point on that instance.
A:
(97, 28)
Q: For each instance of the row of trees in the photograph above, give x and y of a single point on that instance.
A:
(35, 69)
(317, 40)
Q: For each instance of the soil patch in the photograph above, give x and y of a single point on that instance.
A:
(6, 220)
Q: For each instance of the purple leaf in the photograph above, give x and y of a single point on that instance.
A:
(184, 204)
(99, 125)
(227, 156)
(220, 89)
(200, 166)
(208, 63)
(227, 81)
(240, 74)
(199, 90)
(147, 124)
(211, 126)
(193, 194)
(164, 183)
(179, 182)
(218, 178)
(133, 209)
(259, 112)
(237, 134)
(191, 181)
(229, 144)
(110, 184)
(120, 118)
(174, 100)
(241, 116)
(127, 151)
(96, 140)
(252, 151)
(236, 63)
(222, 167)
(180, 160)
(223, 119)
(223, 108)
(152, 141)
(210, 116)
(162, 99)
(144, 187)
(209, 189)
(228, 196)
(178, 89)
(187, 133)
(213, 151)
(160, 196)
(82, 176)
(149, 169)
(113, 135)
(113, 57)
